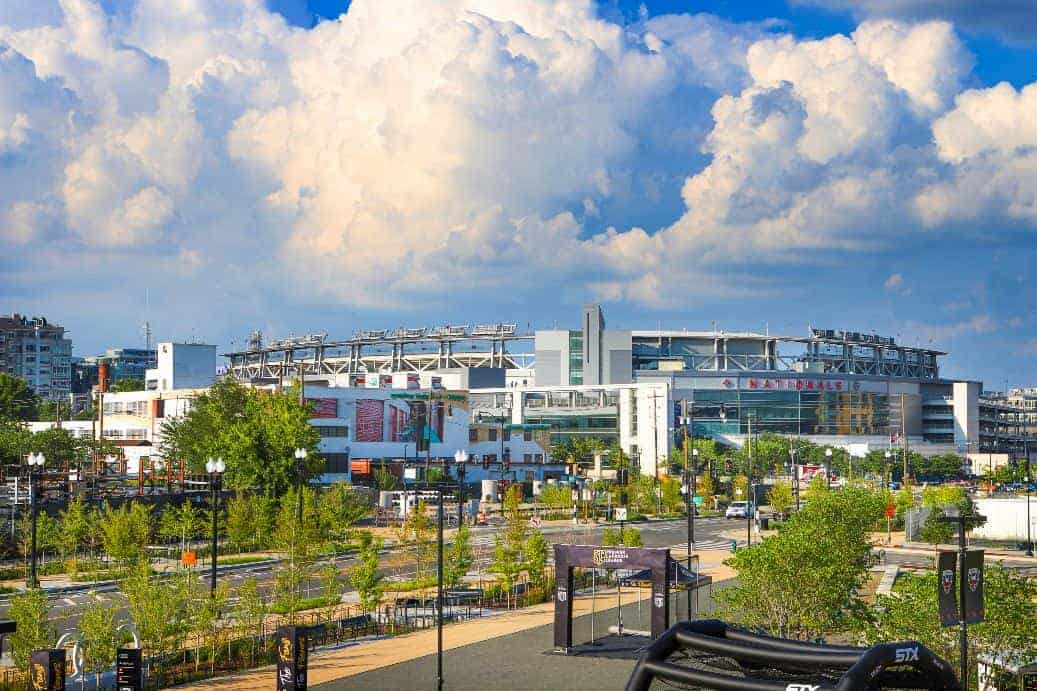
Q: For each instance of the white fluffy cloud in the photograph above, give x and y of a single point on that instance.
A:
(485, 140)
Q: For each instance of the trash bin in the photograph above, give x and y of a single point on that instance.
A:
(764, 522)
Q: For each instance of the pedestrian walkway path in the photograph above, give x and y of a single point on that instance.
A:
(376, 654)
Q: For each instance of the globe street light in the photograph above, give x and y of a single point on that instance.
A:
(300, 459)
(885, 469)
(215, 468)
(461, 458)
(828, 466)
(35, 468)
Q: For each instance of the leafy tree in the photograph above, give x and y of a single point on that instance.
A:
(817, 488)
(255, 431)
(240, 522)
(384, 480)
(507, 554)
(415, 537)
(14, 441)
(339, 508)
(51, 411)
(912, 613)
(250, 613)
(935, 531)
(556, 496)
(364, 577)
(803, 581)
(30, 611)
(17, 400)
(904, 502)
(58, 446)
(330, 587)
(206, 613)
(704, 487)
(536, 550)
(124, 532)
(625, 537)
(99, 639)
(126, 385)
(76, 528)
(780, 497)
(740, 488)
(184, 523)
(160, 608)
(48, 535)
(460, 558)
(299, 541)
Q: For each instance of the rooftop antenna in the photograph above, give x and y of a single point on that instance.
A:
(147, 324)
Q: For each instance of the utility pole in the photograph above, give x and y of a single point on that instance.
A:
(903, 437)
(749, 484)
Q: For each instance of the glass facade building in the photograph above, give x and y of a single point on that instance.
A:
(790, 412)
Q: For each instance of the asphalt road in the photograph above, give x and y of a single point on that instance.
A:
(68, 606)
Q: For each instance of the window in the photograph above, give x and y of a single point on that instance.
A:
(336, 462)
(539, 457)
(334, 431)
(492, 434)
(527, 458)
(473, 435)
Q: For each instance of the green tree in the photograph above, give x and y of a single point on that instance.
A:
(255, 431)
(817, 488)
(740, 488)
(384, 480)
(99, 638)
(124, 532)
(330, 588)
(803, 581)
(30, 611)
(364, 576)
(17, 400)
(704, 488)
(58, 446)
(536, 552)
(507, 561)
(460, 557)
(912, 613)
(241, 517)
(339, 508)
(935, 531)
(48, 535)
(415, 537)
(250, 613)
(160, 608)
(76, 528)
(126, 385)
(780, 497)
(14, 441)
(299, 542)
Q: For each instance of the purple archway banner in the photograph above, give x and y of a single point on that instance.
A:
(596, 556)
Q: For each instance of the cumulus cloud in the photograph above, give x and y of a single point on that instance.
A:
(491, 141)
(1013, 19)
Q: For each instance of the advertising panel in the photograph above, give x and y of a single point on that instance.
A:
(974, 586)
(947, 582)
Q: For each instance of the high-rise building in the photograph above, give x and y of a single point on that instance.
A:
(37, 352)
(123, 363)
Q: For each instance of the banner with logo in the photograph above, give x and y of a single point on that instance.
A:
(47, 670)
(947, 573)
(292, 658)
(974, 586)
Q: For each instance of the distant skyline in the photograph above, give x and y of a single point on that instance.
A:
(325, 166)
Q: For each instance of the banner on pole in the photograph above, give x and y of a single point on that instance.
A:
(974, 586)
(947, 574)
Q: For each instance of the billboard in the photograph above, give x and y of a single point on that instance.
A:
(324, 407)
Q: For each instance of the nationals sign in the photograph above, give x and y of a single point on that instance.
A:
(788, 384)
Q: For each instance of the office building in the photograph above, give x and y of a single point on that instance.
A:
(37, 352)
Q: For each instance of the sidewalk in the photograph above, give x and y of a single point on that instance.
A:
(376, 654)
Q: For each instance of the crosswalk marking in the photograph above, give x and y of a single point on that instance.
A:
(705, 545)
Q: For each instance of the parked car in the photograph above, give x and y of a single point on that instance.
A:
(737, 509)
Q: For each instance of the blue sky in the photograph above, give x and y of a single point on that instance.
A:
(216, 171)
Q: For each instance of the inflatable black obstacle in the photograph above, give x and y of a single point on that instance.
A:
(709, 654)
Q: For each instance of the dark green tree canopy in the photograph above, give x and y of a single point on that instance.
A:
(256, 432)
(17, 400)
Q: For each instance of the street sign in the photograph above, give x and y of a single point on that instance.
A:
(128, 669)
(699, 501)
(621, 514)
(891, 510)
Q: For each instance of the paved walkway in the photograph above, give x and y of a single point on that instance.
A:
(365, 657)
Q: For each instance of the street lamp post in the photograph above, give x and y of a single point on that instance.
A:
(300, 460)
(215, 468)
(1029, 520)
(795, 471)
(953, 514)
(749, 507)
(35, 461)
(828, 466)
(461, 457)
(689, 504)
